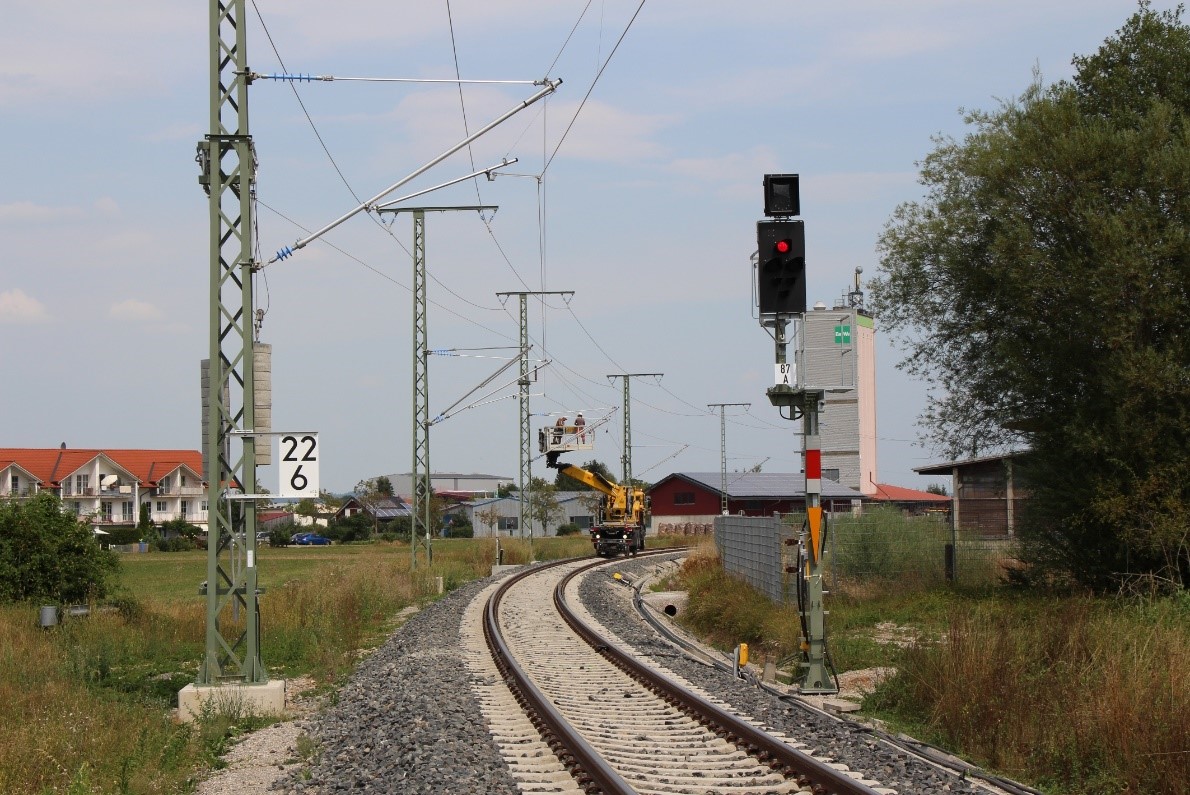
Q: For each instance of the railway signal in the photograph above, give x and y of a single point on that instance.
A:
(781, 267)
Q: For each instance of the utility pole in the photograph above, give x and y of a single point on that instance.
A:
(723, 452)
(626, 457)
(525, 471)
(226, 161)
(420, 472)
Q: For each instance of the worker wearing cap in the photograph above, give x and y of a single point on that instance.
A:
(558, 427)
(579, 424)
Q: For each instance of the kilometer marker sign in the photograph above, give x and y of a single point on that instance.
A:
(298, 456)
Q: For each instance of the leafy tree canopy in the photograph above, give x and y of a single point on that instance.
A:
(48, 555)
(1042, 288)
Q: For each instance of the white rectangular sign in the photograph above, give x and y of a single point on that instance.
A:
(298, 456)
(785, 374)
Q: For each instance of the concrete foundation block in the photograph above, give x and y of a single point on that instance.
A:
(263, 699)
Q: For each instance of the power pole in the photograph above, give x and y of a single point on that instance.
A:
(626, 457)
(227, 172)
(723, 452)
(422, 495)
(525, 473)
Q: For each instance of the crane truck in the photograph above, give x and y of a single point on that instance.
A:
(620, 525)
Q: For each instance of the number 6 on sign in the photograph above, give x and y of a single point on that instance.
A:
(299, 465)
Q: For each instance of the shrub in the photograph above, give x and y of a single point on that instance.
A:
(569, 529)
(351, 528)
(49, 555)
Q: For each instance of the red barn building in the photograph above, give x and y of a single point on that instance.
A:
(682, 503)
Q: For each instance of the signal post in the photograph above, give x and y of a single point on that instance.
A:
(781, 296)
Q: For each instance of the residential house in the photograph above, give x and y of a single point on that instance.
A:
(381, 509)
(107, 486)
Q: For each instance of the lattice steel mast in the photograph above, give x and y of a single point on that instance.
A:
(227, 161)
(626, 457)
(525, 470)
(723, 452)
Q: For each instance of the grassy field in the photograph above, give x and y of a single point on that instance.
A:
(85, 707)
(1074, 695)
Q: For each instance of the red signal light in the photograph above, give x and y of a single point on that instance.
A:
(783, 246)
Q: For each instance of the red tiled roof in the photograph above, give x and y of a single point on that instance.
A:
(887, 493)
(52, 464)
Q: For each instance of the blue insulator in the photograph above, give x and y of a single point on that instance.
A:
(285, 252)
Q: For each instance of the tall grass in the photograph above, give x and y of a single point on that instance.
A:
(1078, 695)
(85, 707)
(1081, 695)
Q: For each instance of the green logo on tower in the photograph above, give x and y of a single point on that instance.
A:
(842, 335)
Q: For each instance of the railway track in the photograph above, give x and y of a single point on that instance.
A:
(573, 712)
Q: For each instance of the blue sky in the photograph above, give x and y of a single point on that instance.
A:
(647, 210)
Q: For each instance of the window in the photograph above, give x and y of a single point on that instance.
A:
(77, 507)
(508, 523)
(127, 512)
(831, 474)
(181, 480)
(160, 506)
(105, 510)
(202, 506)
(185, 508)
(82, 484)
(15, 485)
(683, 498)
(585, 522)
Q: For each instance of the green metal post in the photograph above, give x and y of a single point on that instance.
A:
(525, 465)
(723, 452)
(525, 476)
(816, 678)
(227, 164)
(421, 397)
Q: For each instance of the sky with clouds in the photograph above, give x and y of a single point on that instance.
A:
(643, 203)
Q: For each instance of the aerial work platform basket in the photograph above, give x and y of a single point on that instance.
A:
(568, 437)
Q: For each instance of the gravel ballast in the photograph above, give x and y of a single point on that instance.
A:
(407, 721)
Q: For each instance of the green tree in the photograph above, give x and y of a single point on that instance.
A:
(332, 502)
(543, 506)
(1041, 290)
(489, 517)
(49, 555)
(384, 486)
(306, 507)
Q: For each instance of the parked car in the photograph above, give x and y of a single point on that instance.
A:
(311, 539)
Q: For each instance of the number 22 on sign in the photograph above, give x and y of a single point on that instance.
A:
(299, 465)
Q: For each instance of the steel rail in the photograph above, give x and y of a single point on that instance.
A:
(823, 779)
(588, 767)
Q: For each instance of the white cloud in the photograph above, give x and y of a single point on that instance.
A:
(26, 212)
(17, 307)
(135, 311)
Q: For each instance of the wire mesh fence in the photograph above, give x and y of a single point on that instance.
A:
(880, 551)
(883, 549)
